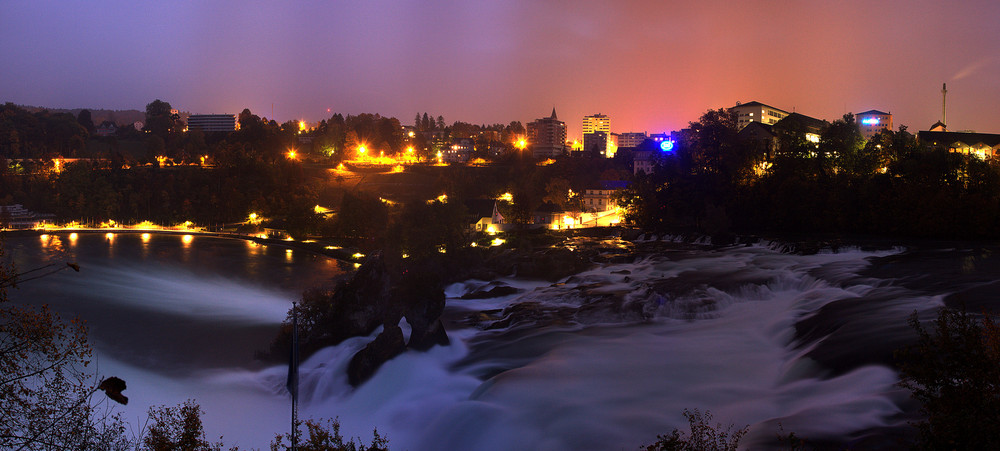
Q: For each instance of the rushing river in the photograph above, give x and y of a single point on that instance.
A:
(756, 336)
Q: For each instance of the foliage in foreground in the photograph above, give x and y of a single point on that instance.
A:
(177, 427)
(702, 436)
(46, 393)
(327, 437)
(954, 371)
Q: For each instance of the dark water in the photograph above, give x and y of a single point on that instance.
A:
(753, 335)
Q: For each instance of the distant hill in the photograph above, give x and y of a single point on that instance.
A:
(119, 117)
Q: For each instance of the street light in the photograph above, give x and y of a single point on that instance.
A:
(292, 154)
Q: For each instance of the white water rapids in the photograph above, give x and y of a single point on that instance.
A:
(177, 328)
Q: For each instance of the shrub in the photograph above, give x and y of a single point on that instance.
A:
(702, 437)
(954, 373)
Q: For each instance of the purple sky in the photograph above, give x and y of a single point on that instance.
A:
(651, 65)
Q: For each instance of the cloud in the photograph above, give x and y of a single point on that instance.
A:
(976, 67)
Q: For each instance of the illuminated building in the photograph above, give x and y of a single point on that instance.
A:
(600, 199)
(212, 122)
(809, 127)
(17, 217)
(757, 112)
(982, 145)
(460, 151)
(643, 161)
(547, 136)
(873, 122)
(597, 136)
(790, 129)
(600, 143)
(631, 139)
(596, 123)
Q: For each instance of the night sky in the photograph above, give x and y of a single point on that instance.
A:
(651, 65)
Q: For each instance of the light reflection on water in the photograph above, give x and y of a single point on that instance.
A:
(167, 311)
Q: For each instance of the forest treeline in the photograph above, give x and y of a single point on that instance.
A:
(718, 182)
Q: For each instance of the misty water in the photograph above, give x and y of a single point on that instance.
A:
(756, 336)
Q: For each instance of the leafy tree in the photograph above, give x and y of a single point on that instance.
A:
(327, 437)
(843, 143)
(361, 216)
(422, 228)
(85, 120)
(177, 428)
(159, 120)
(954, 372)
(702, 436)
(557, 191)
(45, 391)
(519, 210)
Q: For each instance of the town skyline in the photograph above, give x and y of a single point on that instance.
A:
(650, 66)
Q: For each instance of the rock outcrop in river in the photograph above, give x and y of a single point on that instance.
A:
(374, 296)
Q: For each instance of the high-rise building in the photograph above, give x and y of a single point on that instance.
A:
(757, 112)
(212, 122)
(597, 136)
(547, 136)
(596, 123)
(873, 122)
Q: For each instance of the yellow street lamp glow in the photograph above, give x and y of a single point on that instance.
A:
(409, 149)
(302, 126)
(521, 143)
(292, 154)
(362, 149)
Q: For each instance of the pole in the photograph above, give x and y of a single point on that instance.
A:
(944, 104)
(293, 376)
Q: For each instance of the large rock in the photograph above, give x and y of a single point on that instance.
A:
(383, 348)
(359, 305)
(374, 295)
(552, 264)
(421, 299)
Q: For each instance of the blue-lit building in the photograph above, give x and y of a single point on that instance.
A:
(873, 122)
